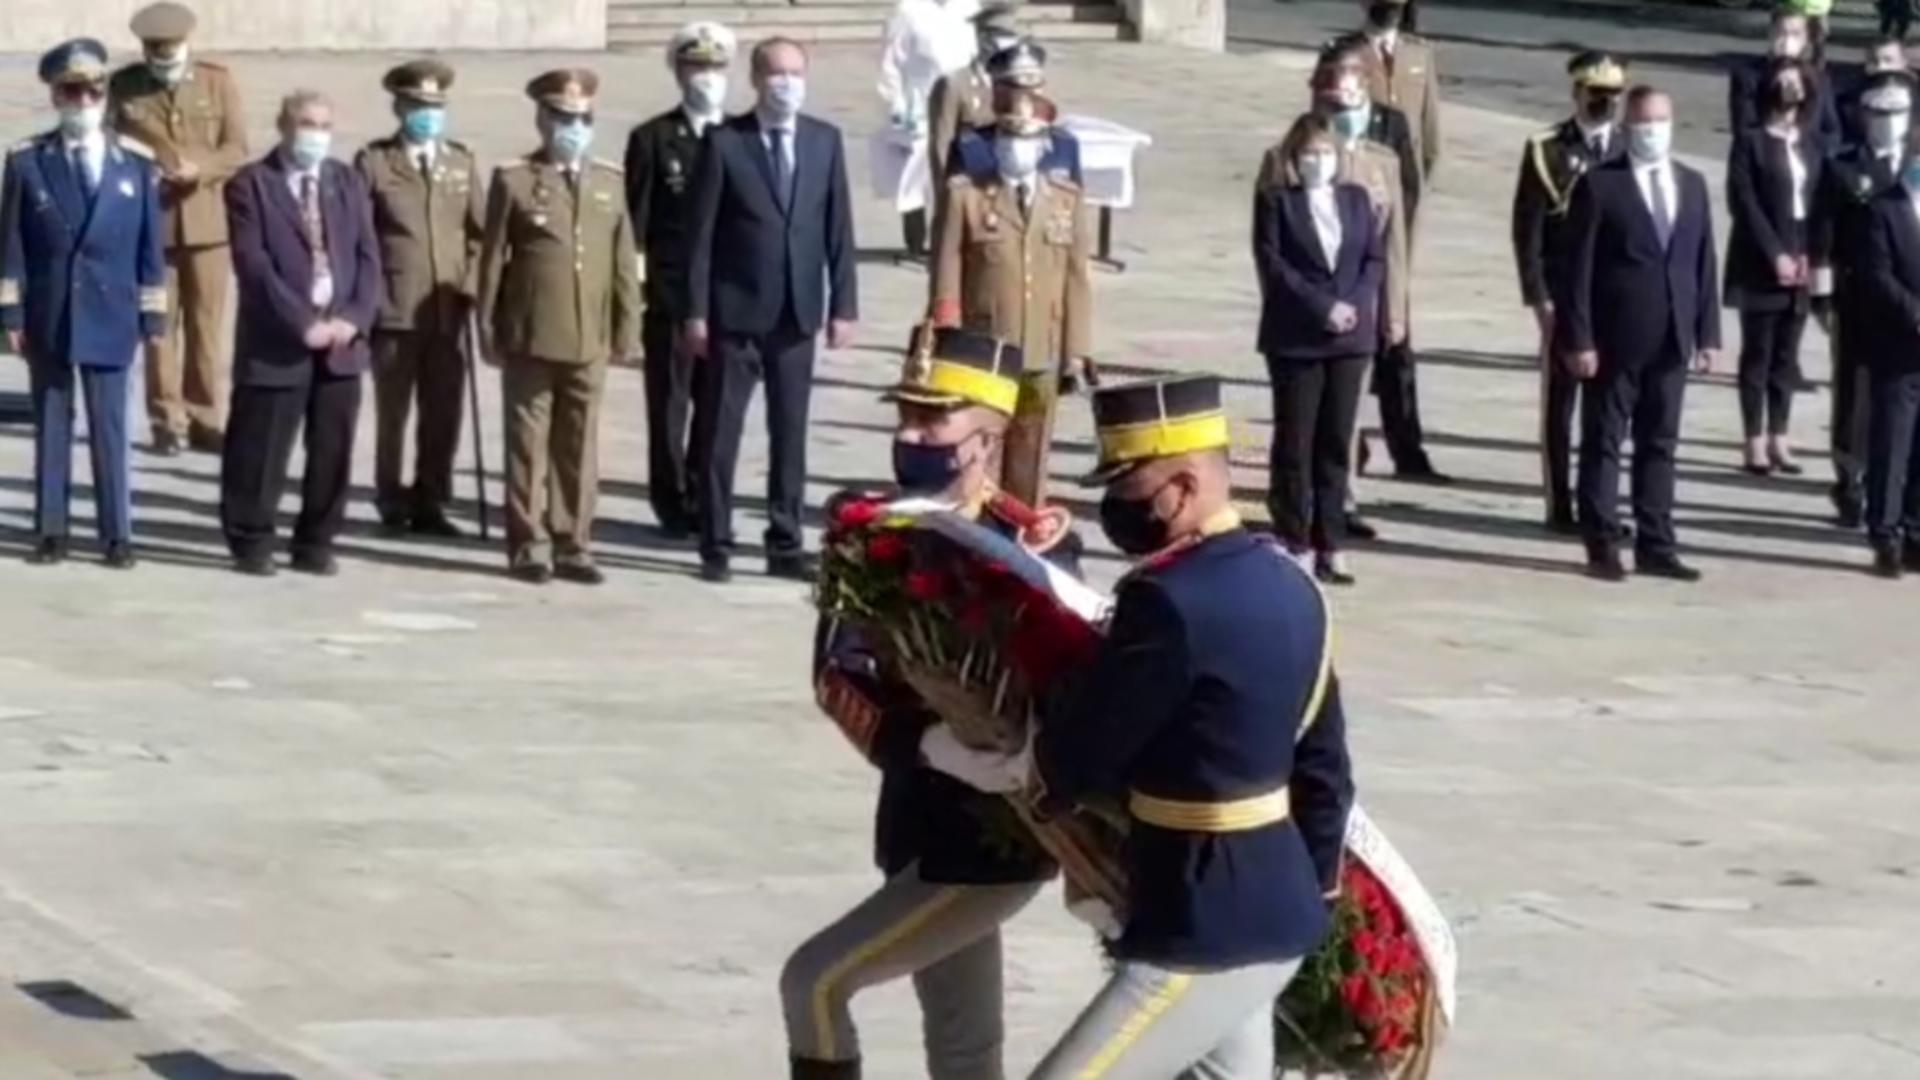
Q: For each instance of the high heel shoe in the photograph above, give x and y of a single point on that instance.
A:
(1781, 457)
(1757, 463)
(1330, 567)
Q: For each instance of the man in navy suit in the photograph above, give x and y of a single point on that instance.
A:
(1892, 309)
(773, 258)
(82, 284)
(308, 265)
(1643, 305)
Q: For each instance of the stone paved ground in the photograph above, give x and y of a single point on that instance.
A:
(421, 822)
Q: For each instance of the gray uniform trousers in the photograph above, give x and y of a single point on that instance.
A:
(1156, 1023)
(946, 936)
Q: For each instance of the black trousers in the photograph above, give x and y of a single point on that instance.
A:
(1896, 17)
(1769, 368)
(669, 386)
(1315, 406)
(1559, 396)
(1644, 404)
(262, 427)
(723, 388)
(1848, 421)
(1399, 394)
(1893, 458)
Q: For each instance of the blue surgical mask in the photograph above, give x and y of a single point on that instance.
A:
(424, 124)
(1910, 175)
(310, 147)
(1353, 123)
(570, 142)
(1649, 143)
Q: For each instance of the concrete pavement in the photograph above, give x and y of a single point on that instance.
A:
(421, 822)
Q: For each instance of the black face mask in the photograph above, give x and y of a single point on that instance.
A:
(921, 468)
(1598, 110)
(1385, 16)
(1132, 525)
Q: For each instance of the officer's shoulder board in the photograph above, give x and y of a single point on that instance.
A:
(612, 167)
(135, 147)
(459, 147)
(514, 166)
(209, 65)
(1063, 180)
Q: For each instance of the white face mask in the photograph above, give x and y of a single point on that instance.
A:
(1887, 131)
(1649, 143)
(705, 92)
(79, 121)
(1317, 168)
(169, 69)
(1019, 156)
(1789, 45)
(783, 95)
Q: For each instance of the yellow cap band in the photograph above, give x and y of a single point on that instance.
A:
(1158, 438)
(1241, 815)
(971, 383)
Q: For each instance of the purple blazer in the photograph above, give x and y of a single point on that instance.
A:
(274, 267)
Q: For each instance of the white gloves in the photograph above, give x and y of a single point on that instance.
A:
(983, 770)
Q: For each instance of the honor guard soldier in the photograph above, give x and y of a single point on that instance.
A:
(662, 155)
(1403, 72)
(188, 112)
(963, 100)
(1551, 167)
(1852, 181)
(559, 301)
(958, 863)
(1212, 711)
(426, 211)
(80, 240)
(1013, 262)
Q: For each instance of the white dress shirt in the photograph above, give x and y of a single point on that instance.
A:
(1324, 204)
(92, 149)
(422, 155)
(322, 291)
(700, 122)
(1660, 172)
(1913, 200)
(1797, 169)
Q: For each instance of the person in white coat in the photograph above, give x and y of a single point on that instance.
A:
(925, 40)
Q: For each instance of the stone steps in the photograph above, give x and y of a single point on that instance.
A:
(644, 23)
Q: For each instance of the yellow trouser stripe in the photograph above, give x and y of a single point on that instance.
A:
(874, 946)
(1239, 815)
(1324, 680)
(1143, 1018)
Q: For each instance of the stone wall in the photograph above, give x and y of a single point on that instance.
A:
(226, 25)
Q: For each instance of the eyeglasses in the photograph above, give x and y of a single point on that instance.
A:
(85, 93)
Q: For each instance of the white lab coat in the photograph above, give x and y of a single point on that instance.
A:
(925, 39)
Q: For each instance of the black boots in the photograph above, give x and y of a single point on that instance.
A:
(810, 1069)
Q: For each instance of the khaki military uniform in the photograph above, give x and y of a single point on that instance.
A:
(1409, 80)
(960, 101)
(559, 297)
(1021, 275)
(199, 121)
(429, 223)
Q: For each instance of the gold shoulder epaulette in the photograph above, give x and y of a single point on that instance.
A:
(135, 147)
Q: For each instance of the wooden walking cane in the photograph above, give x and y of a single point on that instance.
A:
(473, 401)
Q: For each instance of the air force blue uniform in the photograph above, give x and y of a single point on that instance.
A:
(1213, 694)
(83, 278)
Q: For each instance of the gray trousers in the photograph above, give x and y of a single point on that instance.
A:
(946, 936)
(1154, 1023)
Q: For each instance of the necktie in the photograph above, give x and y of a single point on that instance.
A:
(1025, 191)
(1599, 146)
(310, 216)
(1662, 212)
(782, 167)
(83, 171)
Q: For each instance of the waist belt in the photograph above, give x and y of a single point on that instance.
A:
(1240, 815)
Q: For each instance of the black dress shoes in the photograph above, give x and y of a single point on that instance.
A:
(317, 563)
(1603, 563)
(435, 524)
(1330, 569)
(1423, 474)
(579, 571)
(1664, 566)
(255, 565)
(715, 569)
(208, 442)
(1360, 528)
(791, 567)
(167, 444)
(1563, 523)
(533, 573)
(1887, 562)
(50, 551)
(120, 556)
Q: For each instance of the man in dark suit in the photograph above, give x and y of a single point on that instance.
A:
(1893, 439)
(80, 239)
(1643, 304)
(1789, 37)
(1551, 168)
(308, 265)
(662, 157)
(773, 258)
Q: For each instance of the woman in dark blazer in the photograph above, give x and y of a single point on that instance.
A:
(1321, 257)
(1773, 179)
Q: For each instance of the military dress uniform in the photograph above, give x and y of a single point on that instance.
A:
(1551, 168)
(958, 862)
(662, 156)
(1017, 266)
(1402, 72)
(427, 213)
(1212, 711)
(83, 282)
(963, 100)
(197, 120)
(559, 299)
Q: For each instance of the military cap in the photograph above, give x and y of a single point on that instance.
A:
(1142, 421)
(81, 60)
(165, 21)
(425, 80)
(951, 368)
(701, 43)
(1888, 92)
(566, 90)
(1597, 70)
(1020, 111)
(998, 17)
(1023, 63)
